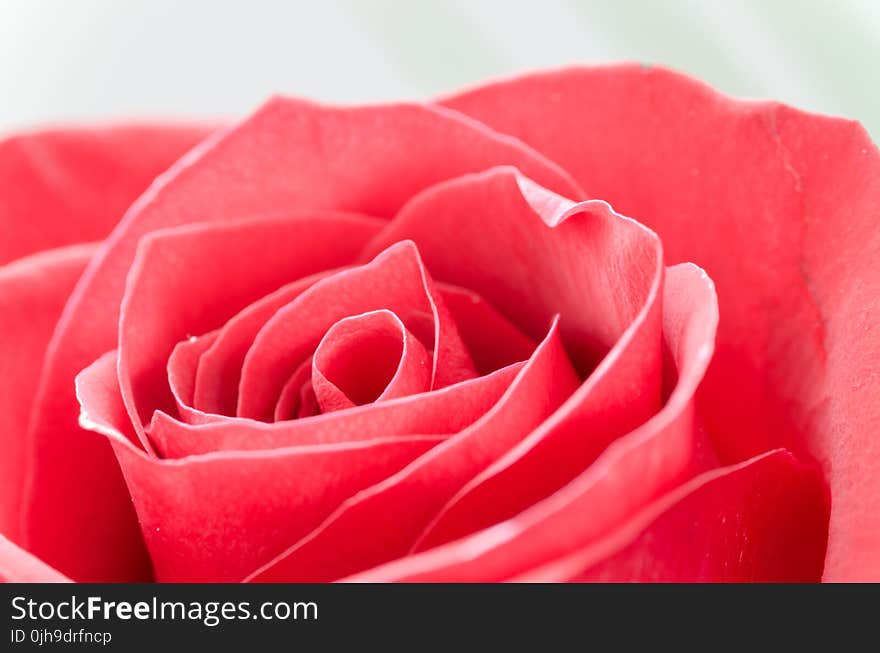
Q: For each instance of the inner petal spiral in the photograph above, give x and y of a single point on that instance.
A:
(367, 358)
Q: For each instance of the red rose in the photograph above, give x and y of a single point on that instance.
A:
(415, 342)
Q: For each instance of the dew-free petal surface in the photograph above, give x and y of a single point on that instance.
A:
(395, 280)
(780, 207)
(217, 517)
(219, 368)
(290, 153)
(434, 413)
(64, 186)
(368, 358)
(764, 520)
(33, 290)
(297, 398)
(383, 522)
(182, 368)
(634, 471)
(530, 253)
(19, 566)
(224, 267)
(491, 340)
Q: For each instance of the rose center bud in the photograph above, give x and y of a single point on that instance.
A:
(366, 358)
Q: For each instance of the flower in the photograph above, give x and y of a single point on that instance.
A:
(591, 324)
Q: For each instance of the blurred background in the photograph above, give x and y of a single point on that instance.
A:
(75, 60)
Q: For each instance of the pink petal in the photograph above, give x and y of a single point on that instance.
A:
(764, 520)
(182, 368)
(492, 341)
(33, 291)
(219, 368)
(368, 358)
(631, 473)
(383, 522)
(295, 400)
(218, 516)
(19, 566)
(221, 273)
(780, 207)
(439, 412)
(533, 253)
(289, 154)
(65, 186)
(395, 280)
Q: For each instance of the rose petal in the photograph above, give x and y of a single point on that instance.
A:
(780, 207)
(493, 342)
(308, 402)
(531, 254)
(19, 566)
(383, 522)
(218, 516)
(296, 399)
(439, 412)
(395, 280)
(182, 368)
(368, 358)
(219, 368)
(59, 187)
(289, 154)
(764, 520)
(634, 471)
(33, 291)
(221, 274)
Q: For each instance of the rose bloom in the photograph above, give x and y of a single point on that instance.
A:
(591, 324)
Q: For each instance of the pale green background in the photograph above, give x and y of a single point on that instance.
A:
(90, 59)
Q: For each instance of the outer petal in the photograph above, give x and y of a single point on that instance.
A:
(19, 566)
(290, 153)
(217, 517)
(532, 253)
(634, 471)
(764, 520)
(60, 187)
(33, 291)
(781, 209)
